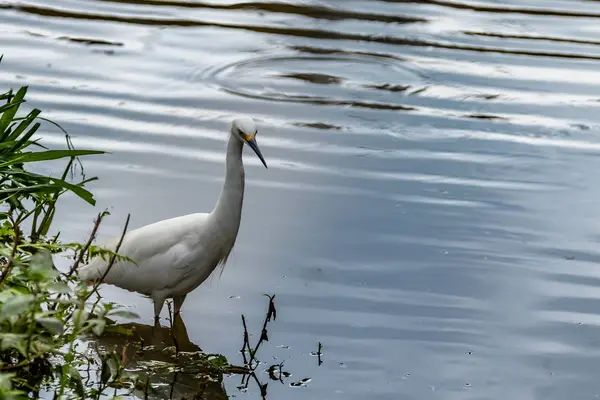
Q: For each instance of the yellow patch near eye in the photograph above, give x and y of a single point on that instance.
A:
(248, 137)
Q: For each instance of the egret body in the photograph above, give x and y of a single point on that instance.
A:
(174, 256)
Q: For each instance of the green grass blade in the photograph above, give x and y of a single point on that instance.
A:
(8, 115)
(59, 183)
(10, 105)
(78, 190)
(46, 222)
(10, 145)
(25, 139)
(47, 155)
(41, 188)
(56, 185)
(24, 124)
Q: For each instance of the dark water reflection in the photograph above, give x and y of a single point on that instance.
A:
(429, 212)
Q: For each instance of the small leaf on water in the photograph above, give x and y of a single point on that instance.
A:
(76, 381)
(218, 361)
(124, 314)
(14, 340)
(105, 374)
(16, 305)
(43, 348)
(52, 324)
(64, 301)
(59, 287)
(98, 326)
(119, 330)
(113, 366)
(41, 266)
(301, 383)
(6, 381)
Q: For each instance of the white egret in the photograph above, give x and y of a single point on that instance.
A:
(174, 256)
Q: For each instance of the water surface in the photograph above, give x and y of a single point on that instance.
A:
(430, 210)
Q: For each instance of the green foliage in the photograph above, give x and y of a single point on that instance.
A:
(45, 314)
(20, 187)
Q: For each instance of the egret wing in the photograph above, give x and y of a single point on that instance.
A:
(157, 250)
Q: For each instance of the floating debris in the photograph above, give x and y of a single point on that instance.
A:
(301, 383)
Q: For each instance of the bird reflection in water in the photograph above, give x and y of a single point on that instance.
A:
(176, 368)
(173, 365)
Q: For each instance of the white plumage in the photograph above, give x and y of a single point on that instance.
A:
(176, 255)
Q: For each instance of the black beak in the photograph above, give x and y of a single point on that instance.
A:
(254, 146)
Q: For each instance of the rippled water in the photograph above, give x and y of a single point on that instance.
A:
(430, 212)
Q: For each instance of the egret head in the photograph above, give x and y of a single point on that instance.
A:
(245, 130)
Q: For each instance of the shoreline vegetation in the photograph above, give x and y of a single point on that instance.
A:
(58, 338)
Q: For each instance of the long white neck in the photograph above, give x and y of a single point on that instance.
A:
(228, 209)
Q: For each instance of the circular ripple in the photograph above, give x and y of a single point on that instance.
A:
(308, 79)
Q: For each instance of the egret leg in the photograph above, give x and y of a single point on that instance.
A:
(178, 302)
(158, 305)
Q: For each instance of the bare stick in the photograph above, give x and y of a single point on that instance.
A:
(87, 245)
(82, 253)
(271, 312)
(112, 260)
(246, 341)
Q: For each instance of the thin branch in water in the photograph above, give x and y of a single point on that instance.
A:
(82, 253)
(87, 244)
(246, 341)
(319, 353)
(271, 312)
(250, 363)
(112, 260)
